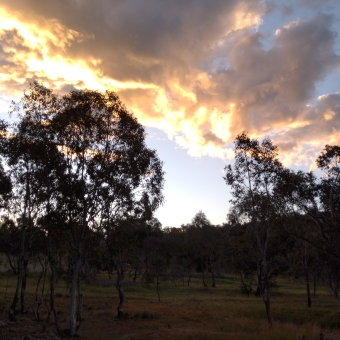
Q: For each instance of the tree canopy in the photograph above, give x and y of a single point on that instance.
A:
(76, 163)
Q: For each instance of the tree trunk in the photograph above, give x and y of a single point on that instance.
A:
(213, 278)
(264, 282)
(73, 308)
(266, 298)
(157, 289)
(79, 305)
(23, 285)
(145, 274)
(203, 276)
(14, 269)
(12, 308)
(247, 288)
(309, 300)
(189, 278)
(37, 300)
(135, 274)
(52, 302)
(267, 303)
(120, 313)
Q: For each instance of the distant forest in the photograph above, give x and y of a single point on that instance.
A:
(79, 187)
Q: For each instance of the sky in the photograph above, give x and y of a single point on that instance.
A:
(195, 73)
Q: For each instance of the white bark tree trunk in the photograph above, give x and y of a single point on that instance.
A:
(74, 310)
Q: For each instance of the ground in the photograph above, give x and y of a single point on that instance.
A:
(193, 312)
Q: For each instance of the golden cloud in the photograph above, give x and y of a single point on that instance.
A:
(201, 84)
(40, 52)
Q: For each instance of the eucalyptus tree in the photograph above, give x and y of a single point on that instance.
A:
(150, 233)
(5, 181)
(31, 159)
(190, 256)
(316, 201)
(110, 173)
(325, 216)
(77, 163)
(252, 178)
(157, 253)
(241, 250)
(122, 242)
(297, 193)
(200, 225)
(329, 162)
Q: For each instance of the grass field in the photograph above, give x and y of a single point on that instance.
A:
(193, 312)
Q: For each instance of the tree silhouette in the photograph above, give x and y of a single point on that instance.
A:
(79, 162)
(252, 179)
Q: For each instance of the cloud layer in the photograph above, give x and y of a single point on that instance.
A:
(201, 71)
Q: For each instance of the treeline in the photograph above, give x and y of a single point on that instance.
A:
(144, 252)
(78, 189)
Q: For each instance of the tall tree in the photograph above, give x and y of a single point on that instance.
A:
(121, 239)
(252, 179)
(81, 161)
(110, 172)
(5, 181)
(316, 201)
(34, 163)
(28, 153)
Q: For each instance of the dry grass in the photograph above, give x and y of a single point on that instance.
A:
(191, 312)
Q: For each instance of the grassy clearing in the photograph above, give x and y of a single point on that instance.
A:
(193, 312)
